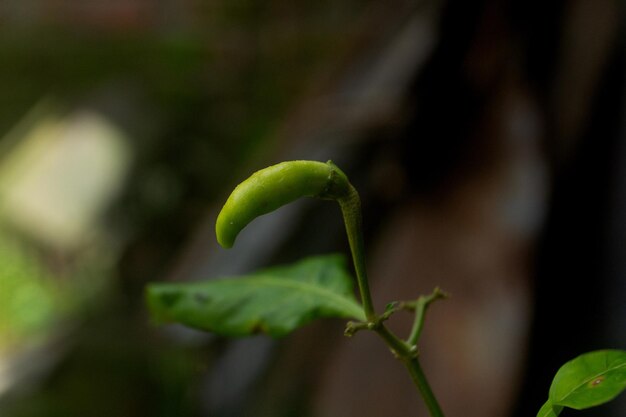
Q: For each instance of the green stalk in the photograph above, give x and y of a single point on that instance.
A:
(351, 210)
(419, 379)
(406, 352)
(421, 306)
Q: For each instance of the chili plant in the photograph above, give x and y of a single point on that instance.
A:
(278, 300)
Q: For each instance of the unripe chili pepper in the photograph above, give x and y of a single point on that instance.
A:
(270, 188)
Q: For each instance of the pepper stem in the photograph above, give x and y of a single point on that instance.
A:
(405, 351)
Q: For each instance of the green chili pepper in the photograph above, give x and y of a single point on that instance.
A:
(273, 187)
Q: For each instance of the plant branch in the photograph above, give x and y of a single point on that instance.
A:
(405, 351)
(419, 379)
(408, 355)
(421, 305)
(351, 210)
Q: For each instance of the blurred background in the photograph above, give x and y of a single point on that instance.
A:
(487, 140)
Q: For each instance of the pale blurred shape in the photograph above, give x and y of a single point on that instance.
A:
(61, 175)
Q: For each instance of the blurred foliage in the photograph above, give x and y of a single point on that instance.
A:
(230, 76)
(30, 302)
(37, 298)
(199, 99)
(113, 370)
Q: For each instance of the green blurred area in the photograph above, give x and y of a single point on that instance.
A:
(194, 102)
(29, 301)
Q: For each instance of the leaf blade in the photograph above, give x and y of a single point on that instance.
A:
(589, 380)
(275, 301)
(549, 410)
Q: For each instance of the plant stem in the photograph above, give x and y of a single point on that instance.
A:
(351, 210)
(406, 352)
(421, 306)
(417, 374)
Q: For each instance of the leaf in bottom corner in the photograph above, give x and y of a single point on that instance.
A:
(275, 301)
(591, 379)
(549, 410)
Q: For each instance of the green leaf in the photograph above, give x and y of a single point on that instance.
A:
(275, 301)
(549, 410)
(591, 379)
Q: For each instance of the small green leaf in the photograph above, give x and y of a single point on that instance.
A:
(591, 379)
(275, 301)
(549, 410)
(390, 307)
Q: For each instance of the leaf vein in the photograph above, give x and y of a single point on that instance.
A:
(347, 304)
(588, 380)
